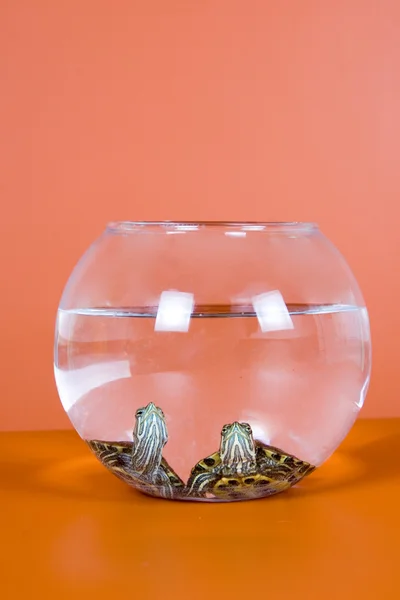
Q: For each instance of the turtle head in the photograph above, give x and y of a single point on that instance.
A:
(238, 453)
(149, 437)
(150, 422)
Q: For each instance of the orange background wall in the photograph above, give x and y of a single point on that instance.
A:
(192, 109)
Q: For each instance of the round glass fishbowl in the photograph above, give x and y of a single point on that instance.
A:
(212, 361)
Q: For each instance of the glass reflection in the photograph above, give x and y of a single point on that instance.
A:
(235, 233)
(83, 380)
(174, 311)
(272, 312)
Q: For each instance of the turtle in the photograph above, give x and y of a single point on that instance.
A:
(244, 468)
(140, 463)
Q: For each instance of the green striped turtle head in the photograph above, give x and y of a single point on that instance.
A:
(237, 451)
(149, 438)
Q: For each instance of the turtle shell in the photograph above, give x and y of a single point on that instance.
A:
(276, 463)
(117, 458)
(275, 472)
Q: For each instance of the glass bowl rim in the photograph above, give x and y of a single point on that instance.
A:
(125, 226)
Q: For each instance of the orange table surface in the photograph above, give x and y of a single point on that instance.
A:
(70, 528)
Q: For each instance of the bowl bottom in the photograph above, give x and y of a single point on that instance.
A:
(242, 469)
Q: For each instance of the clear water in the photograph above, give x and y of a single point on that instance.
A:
(299, 386)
